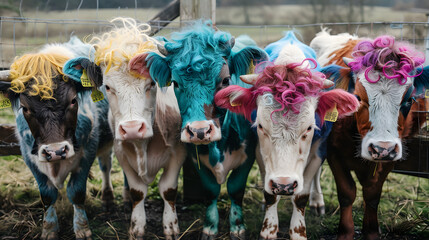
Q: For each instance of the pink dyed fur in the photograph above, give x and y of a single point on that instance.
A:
(394, 60)
(346, 103)
(289, 85)
(138, 65)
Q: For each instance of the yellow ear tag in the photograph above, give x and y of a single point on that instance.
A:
(85, 80)
(332, 115)
(233, 104)
(427, 93)
(97, 95)
(4, 101)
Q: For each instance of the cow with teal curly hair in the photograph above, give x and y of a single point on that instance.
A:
(199, 61)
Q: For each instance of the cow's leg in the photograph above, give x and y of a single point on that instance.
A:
(346, 189)
(297, 228)
(372, 185)
(137, 191)
(317, 204)
(126, 196)
(76, 192)
(48, 194)
(270, 227)
(236, 185)
(105, 163)
(168, 190)
(211, 221)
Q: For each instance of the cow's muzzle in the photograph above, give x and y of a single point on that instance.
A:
(133, 130)
(200, 132)
(383, 150)
(283, 185)
(55, 151)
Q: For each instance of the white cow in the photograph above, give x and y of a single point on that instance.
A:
(290, 101)
(145, 121)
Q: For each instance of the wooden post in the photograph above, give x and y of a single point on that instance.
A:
(196, 9)
(193, 190)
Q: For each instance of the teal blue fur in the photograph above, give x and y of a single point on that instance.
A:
(72, 72)
(193, 63)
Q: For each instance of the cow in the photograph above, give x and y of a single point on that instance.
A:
(198, 62)
(60, 129)
(384, 74)
(145, 121)
(290, 102)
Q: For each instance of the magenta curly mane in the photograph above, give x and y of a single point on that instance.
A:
(289, 85)
(395, 60)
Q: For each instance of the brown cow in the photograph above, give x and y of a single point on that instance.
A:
(382, 75)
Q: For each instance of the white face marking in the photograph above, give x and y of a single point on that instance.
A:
(384, 99)
(285, 143)
(130, 99)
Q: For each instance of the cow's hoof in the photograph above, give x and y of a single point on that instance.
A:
(50, 236)
(235, 236)
(319, 211)
(171, 237)
(205, 236)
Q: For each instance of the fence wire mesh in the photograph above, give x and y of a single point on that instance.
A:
(19, 35)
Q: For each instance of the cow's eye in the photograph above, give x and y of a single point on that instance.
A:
(24, 109)
(260, 126)
(226, 82)
(309, 128)
(107, 88)
(175, 84)
(73, 101)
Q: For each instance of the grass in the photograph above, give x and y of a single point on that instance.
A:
(403, 212)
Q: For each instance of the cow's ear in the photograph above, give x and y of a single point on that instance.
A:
(421, 82)
(342, 77)
(138, 65)
(5, 84)
(159, 69)
(242, 61)
(236, 99)
(345, 103)
(74, 70)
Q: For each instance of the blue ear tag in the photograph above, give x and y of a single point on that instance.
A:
(4, 101)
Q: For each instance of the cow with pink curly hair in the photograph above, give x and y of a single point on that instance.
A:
(387, 77)
(290, 101)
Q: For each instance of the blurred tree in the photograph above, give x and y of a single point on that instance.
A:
(9, 6)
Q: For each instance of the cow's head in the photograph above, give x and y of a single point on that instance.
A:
(48, 100)
(121, 55)
(384, 72)
(199, 62)
(287, 98)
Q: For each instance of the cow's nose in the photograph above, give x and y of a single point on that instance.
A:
(132, 130)
(199, 132)
(283, 185)
(383, 150)
(54, 154)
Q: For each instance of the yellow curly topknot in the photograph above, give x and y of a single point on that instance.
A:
(39, 67)
(121, 44)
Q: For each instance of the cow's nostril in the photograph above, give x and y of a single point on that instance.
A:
(396, 149)
(188, 129)
(142, 128)
(210, 129)
(122, 130)
(295, 184)
(372, 148)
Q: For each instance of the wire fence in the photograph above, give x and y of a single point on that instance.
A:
(19, 35)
